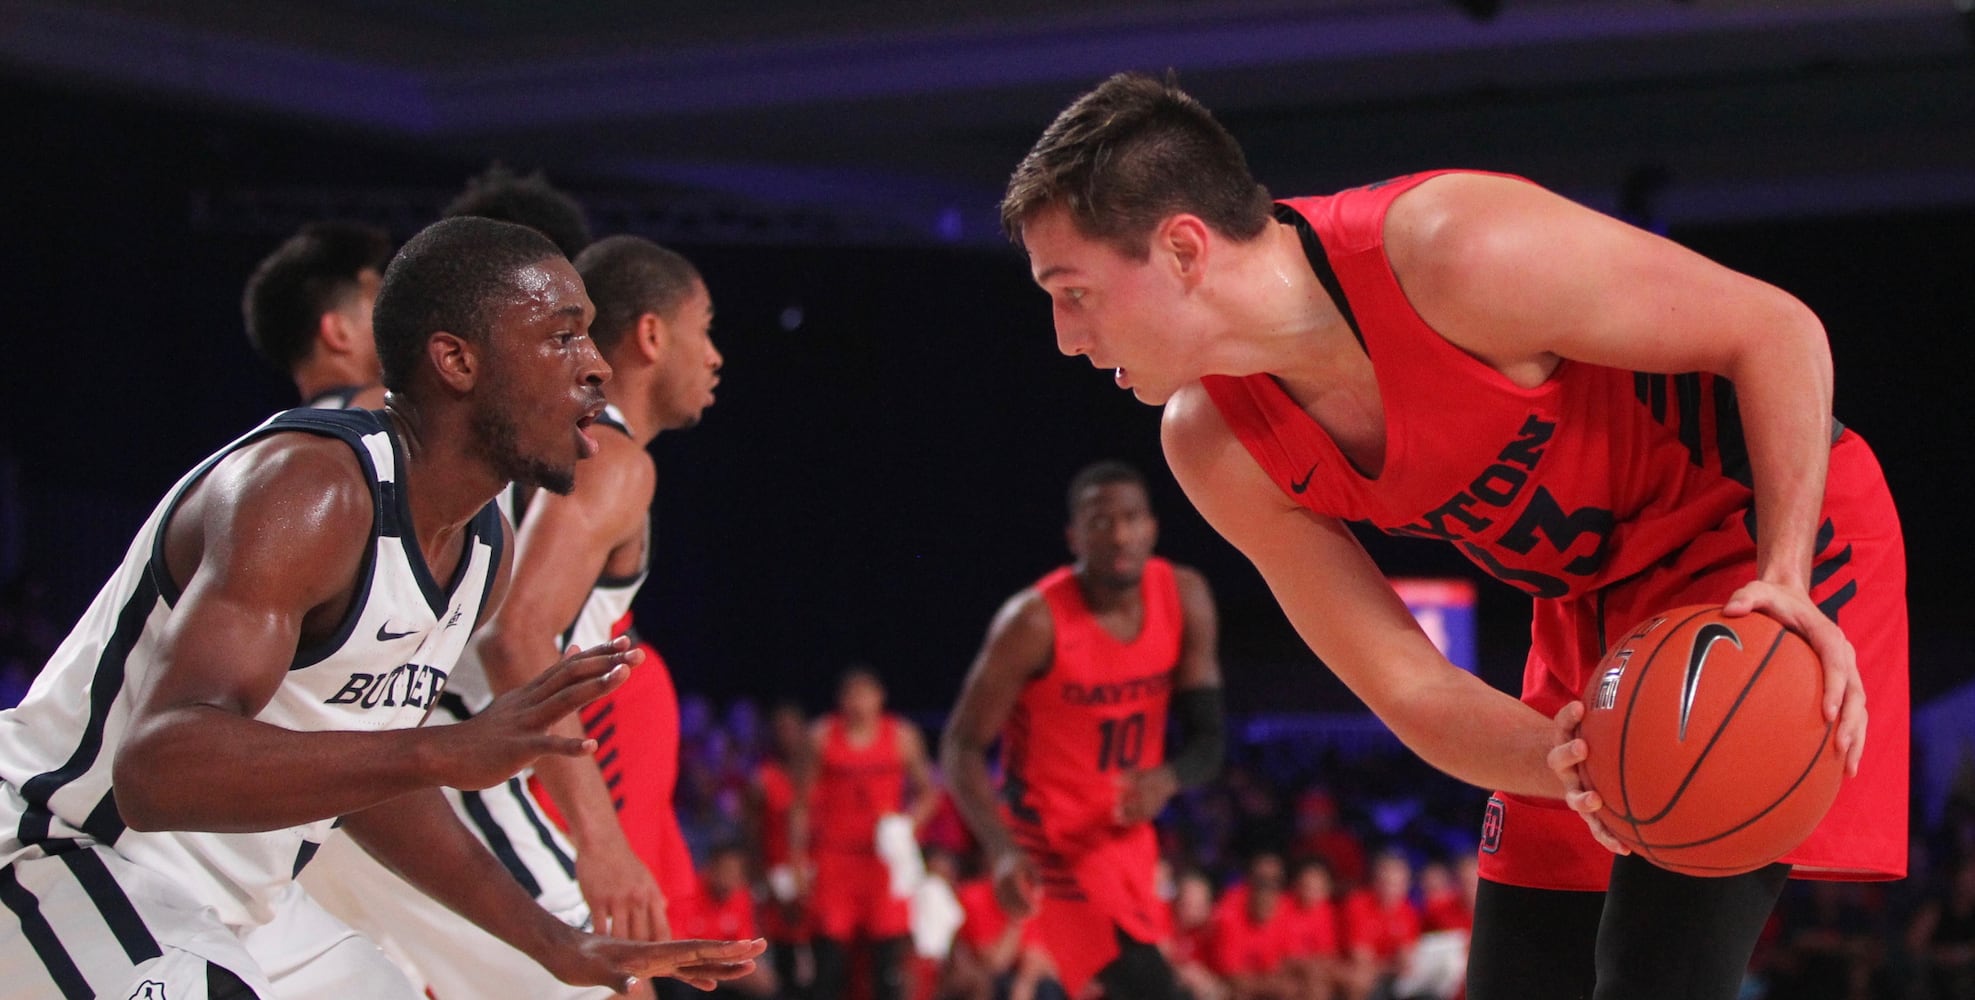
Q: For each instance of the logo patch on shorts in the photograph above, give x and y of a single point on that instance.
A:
(1491, 826)
(149, 989)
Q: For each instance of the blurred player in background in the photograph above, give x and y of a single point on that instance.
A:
(1077, 678)
(307, 309)
(865, 781)
(527, 200)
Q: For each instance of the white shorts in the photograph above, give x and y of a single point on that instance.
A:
(89, 923)
(451, 956)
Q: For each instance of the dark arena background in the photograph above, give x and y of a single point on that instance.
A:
(895, 429)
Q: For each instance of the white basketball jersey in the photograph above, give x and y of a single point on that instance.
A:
(384, 668)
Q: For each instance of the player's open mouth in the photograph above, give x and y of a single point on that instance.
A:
(587, 446)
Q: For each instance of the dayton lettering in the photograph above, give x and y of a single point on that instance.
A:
(1473, 510)
(412, 685)
(1119, 692)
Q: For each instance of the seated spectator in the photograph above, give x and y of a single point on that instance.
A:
(1319, 834)
(1442, 905)
(1314, 943)
(1941, 938)
(993, 957)
(1192, 935)
(726, 913)
(1250, 942)
(1438, 964)
(1381, 926)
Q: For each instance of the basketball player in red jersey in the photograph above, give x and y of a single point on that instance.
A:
(654, 318)
(307, 307)
(1076, 677)
(771, 795)
(864, 767)
(1589, 412)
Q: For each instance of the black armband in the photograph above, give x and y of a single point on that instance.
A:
(1203, 732)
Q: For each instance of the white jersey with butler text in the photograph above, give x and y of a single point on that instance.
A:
(385, 667)
(431, 943)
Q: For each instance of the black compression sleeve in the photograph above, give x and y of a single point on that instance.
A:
(1203, 732)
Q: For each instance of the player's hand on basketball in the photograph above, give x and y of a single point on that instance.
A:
(1017, 884)
(514, 730)
(1844, 691)
(1564, 759)
(599, 960)
(624, 899)
(1142, 795)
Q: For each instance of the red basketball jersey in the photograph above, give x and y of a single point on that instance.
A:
(855, 787)
(1099, 710)
(777, 798)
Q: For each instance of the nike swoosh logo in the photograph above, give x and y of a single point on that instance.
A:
(1304, 483)
(384, 633)
(1697, 658)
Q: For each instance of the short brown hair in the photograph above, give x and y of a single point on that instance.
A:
(1130, 153)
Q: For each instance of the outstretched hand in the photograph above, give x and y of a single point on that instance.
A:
(1564, 759)
(1844, 691)
(513, 731)
(1017, 885)
(1142, 795)
(619, 964)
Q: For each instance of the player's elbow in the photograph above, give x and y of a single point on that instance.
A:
(958, 750)
(138, 784)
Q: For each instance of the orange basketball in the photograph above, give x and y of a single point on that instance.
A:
(1707, 741)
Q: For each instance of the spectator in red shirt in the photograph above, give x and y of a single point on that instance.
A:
(993, 956)
(1192, 937)
(1314, 939)
(1251, 936)
(1381, 925)
(726, 906)
(1442, 907)
(1320, 835)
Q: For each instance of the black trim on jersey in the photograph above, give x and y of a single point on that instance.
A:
(114, 906)
(1313, 248)
(104, 687)
(104, 822)
(497, 842)
(41, 937)
(488, 526)
(304, 855)
(223, 983)
(534, 814)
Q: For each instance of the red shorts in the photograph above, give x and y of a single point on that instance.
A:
(1860, 572)
(1093, 893)
(636, 728)
(851, 897)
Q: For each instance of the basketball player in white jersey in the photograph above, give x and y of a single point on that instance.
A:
(579, 560)
(308, 307)
(253, 671)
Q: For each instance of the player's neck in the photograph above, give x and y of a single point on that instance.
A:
(630, 391)
(1101, 596)
(1274, 315)
(328, 374)
(446, 483)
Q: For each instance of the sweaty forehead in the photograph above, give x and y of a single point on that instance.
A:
(550, 285)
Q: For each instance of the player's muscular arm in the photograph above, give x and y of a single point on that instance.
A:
(1520, 277)
(420, 838)
(1019, 644)
(1341, 605)
(266, 547)
(563, 546)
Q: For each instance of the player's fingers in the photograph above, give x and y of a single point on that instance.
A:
(577, 693)
(562, 746)
(1851, 726)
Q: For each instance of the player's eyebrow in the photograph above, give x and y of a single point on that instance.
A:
(1053, 271)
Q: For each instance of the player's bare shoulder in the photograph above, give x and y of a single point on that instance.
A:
(275, 505)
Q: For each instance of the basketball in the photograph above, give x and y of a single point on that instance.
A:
(1707, 741)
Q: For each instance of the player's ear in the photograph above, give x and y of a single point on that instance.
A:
(651, 337)
(453, 360)
(332, 331)
(1182, 239)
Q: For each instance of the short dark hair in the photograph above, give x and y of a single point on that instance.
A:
(629, 276)
(528, 200)
(310, 273)
(1130, 153)
(455, 275)
(1102, 473)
